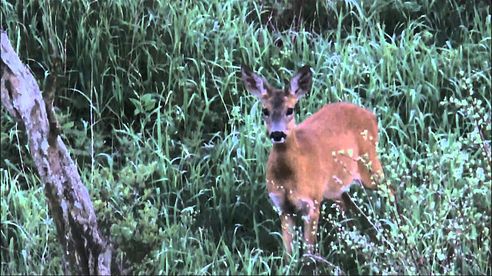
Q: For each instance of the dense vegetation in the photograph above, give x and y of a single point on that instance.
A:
(172, 149)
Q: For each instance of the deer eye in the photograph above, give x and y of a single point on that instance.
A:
(290, 111)
(266, 113)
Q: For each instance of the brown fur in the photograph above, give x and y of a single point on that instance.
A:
(304, 167)
(319, 159)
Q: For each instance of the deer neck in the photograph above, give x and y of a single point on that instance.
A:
(282, 164)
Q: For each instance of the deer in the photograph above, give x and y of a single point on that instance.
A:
(316, 160)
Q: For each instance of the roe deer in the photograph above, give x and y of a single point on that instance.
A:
(317, 159)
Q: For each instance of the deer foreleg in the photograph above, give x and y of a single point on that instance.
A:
(286, 214)
(310, 215)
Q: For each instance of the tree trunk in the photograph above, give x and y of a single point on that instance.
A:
(86, 251)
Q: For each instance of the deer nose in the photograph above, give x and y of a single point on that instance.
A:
(278, 136)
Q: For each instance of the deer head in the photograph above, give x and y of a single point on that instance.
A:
(278, 104)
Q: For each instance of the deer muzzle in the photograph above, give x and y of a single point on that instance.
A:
(278, 137)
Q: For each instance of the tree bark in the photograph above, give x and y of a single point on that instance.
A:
(86, 251)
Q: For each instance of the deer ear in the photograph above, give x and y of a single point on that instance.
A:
(302, 81)
(254, 83)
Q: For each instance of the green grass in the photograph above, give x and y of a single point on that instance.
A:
(172, 149)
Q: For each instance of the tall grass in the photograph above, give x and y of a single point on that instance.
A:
(173, 152)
